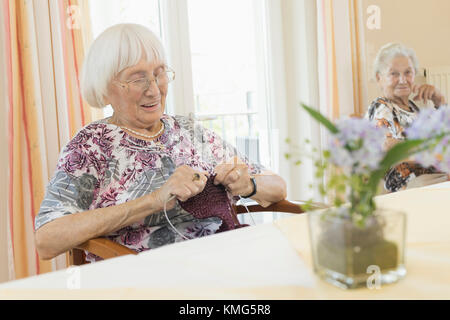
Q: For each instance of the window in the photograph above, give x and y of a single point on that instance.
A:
(105, 13)
(225, 70)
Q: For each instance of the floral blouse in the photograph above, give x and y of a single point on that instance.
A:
(104, 166)
(389, 115)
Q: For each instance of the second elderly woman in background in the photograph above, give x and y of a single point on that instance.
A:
(116, 176)
(395, 69)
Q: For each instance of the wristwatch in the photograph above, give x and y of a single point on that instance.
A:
(252, 179)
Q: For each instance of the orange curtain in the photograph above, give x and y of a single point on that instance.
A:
(329, 83)
(71, 22)
(357, 73)
(35, 91)
(339, 97)
(341, 94)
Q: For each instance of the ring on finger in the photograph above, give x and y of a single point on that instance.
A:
(196, 177)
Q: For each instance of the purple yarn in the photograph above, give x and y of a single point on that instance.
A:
(213, 201)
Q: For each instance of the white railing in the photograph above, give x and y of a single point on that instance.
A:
(246, 143)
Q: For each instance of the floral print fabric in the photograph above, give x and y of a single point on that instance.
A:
(104, 166)
(389, 115)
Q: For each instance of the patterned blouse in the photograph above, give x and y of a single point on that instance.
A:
(389, 115)
(104, 166)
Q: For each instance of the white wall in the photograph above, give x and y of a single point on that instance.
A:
(421, 25)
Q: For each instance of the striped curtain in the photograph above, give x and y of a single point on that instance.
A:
(328, 87)
(339, 62)
(340, 73)
(358, 76)
(44, 45)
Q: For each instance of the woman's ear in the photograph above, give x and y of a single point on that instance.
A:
(107, 94)
(378, 77)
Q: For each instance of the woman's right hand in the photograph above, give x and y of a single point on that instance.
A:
(184, 183)
(427, 92)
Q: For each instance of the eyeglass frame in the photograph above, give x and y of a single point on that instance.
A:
(126, 84)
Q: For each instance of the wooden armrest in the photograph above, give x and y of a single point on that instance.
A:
(281, 206)
(105, 248)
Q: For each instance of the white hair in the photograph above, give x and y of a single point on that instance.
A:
(118, 47)
(390, 51)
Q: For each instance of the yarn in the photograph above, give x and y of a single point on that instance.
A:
(213, 201)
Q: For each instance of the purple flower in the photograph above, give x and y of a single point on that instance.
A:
(129, 175)
(164, 138)
(146, 158)
(79, 141)
(104, 143)
(357, 147)
(433, 125)
(109, 198)
(75, 161)
(132, 237)
(95, 126)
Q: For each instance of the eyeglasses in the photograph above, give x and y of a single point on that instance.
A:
(396, 74)
(142, 84)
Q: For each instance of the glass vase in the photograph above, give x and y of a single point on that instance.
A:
(352, 256)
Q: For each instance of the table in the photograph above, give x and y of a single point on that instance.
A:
(266, 261)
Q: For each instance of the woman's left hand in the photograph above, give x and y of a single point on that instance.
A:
(427, 92)
(235, 177)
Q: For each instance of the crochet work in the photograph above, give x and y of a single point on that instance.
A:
(213, 201)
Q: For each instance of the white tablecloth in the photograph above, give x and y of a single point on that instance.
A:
(268, 261)
(230, 259)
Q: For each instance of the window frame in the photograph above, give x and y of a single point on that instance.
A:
(176, 38)
(175, 35)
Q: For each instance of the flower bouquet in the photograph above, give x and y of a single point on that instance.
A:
(353, 243)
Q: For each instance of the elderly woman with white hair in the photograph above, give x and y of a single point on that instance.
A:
(395, 69)
(122, 177)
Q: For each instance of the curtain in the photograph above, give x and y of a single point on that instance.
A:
(356, 35)
(340, 72)
(44, 45)
(341, 81)
(328, 84)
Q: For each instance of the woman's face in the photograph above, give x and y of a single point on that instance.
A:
(397, 79)
(134, 107)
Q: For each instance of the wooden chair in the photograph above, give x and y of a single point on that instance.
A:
(107, 249)
(356, 115)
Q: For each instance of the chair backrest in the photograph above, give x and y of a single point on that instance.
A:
(106, 249)
(356, 115)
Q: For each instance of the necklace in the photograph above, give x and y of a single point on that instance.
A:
(146, 135)
(402, 106)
